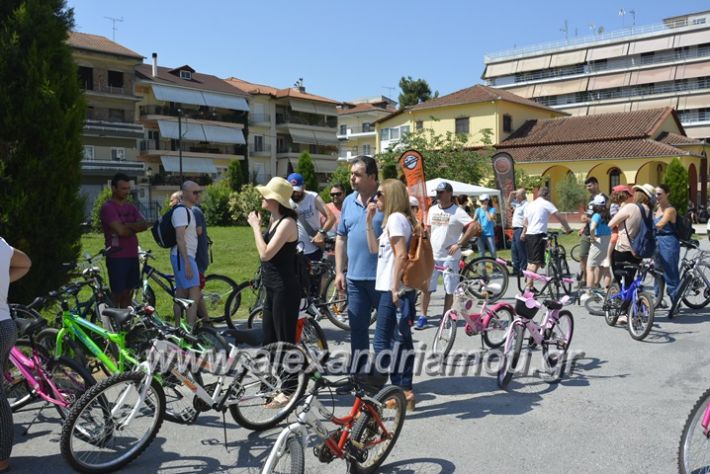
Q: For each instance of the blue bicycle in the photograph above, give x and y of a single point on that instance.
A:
(635, 302)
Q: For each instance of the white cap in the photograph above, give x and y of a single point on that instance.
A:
(484, 197)
(413, 201)
(599, 200)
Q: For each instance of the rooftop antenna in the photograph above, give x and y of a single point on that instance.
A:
(565, 30)
(390, 90)
(633, 17)
(113, 25)
(622, 14)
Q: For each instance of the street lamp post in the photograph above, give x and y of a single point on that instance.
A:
(180, 143)
(149, 174)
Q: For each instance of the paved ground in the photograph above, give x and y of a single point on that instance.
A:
(620, 411)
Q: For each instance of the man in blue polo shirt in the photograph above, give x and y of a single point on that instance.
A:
(352, 252)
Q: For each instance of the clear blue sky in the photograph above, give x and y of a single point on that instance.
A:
(350, 49)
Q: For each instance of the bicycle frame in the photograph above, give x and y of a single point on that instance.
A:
(630, 293)
(537, 331)
(479, 321)
(31, 369)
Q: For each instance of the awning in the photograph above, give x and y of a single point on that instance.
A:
(303, 136)
(201, 132)
(189, 164)
(326, 138)
(313, 108)
(195, 97)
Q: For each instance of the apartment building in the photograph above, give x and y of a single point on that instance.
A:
(356, 130)
(465, 112)
(110, 134)
(640, 67)
(195, 126)
(283, 124)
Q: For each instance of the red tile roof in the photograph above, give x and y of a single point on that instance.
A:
(99, 44)
(366, 107)
(291, 92)
(676, 140)
(476, 94)
(206, 82)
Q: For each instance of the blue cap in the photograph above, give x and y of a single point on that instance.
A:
(296, 181)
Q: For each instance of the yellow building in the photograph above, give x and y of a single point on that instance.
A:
(466, 112)
(283, 124)
(356, 131)
(616, 148)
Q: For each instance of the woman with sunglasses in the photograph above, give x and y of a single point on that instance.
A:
(396, 311)
(667, 243)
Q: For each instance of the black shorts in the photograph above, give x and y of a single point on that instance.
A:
(123, 274)
(535, 246)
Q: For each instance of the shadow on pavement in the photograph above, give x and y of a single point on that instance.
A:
(419, 466)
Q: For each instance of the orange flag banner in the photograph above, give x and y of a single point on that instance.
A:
(412, 163)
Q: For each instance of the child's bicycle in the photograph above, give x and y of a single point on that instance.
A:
(364, 437)
(632, 300)
(553, 335)
(491, 322)
(694, 447)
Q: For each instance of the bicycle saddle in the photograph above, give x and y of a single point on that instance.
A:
(370, 383)
(26, 327)
(552, 304)
(250, 337)
(118, 315)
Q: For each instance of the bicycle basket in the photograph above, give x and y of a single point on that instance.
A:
(526, 307)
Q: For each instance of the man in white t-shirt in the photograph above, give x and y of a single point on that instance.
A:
(310, 208)
(446, 222)
(537, 215)
(182, 256)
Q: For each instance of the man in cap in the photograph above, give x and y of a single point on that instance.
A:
(446, 222)
(486, 216)
(592, 185)
(310, 207)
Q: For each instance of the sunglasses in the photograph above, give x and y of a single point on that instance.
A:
(196, 193)
(379, 194)
(659, 194)
(335, 194)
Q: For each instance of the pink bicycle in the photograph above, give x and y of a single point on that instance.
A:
(35, 375)
(491, 322)
(553, 334)
(694, 448)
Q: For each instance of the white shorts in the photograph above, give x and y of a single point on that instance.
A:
(451, 278)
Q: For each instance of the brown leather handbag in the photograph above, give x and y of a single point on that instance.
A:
(477, 229)
(420, 261)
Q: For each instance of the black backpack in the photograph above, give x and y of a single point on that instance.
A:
(683, 228)
(163, 230)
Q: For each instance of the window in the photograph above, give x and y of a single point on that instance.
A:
(313, 149)
(367, 127)
(462, 126)
(187, 75)
(343, 130)
(647, 58)
(419, 124)
(394, 134)
(404, 130)
(698, 21)
(385, 134)
(703, 82)
(115, 79)
(367, 149)
(115, 115)
(86, 78)
(258, 143)
(89, 152)
(281, 145)
(704, 49)
(118, 154)
(614, 177)
(681, 53)
(507, 123)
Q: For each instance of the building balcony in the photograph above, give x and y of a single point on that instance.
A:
(174, 179)
(264, 149)
(259, 118)
(110, 128)
(312, 120)
(111, 167)
(350, 133)
(187, 113)
(111, 90)
(206, 150)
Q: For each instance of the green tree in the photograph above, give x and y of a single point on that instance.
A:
(215, 204)
(306, 168)
(236, 177)
(570, 194)
(676, 177)
(341, 176)
(445, 155)
(414, 91)
(41, 117)
(524, 180)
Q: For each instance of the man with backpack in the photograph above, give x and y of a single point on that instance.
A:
(121, 222)
(310, 207)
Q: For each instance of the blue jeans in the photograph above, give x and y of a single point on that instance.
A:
(394, 336)
(520, 252)
(667, 259)
(362, 298)
(486, 241)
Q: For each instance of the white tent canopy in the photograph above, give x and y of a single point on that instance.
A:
(460, 188)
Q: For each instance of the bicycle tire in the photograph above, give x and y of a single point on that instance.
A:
(675, 306)
(563, 268)
(612, 306)
(148, 295)
(445, 335)
(23, 312)
(76, 385)
(697, 288)
(559, 336)
(242, 302)
(99, 393)
(595, 304)
(313, 338)
(500, 326)
(337, 309)
(640, 323)
(47, 339)
(393, 407)
(692, 432)
(292, 459)
(14, 385)
(509, 362)
(243, 413)
(215, 295)
(575, 253)
(490, 272)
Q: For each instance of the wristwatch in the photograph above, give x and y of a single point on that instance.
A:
(322, 231)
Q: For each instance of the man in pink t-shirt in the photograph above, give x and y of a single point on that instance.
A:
(121, 221)
(337, 195)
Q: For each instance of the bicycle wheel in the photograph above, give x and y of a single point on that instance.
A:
(494, 332)
(14, 385)
(23, 312)
(278, 368)
(490, 273)
(575, 253)
(148, 295)
(210, 339)
(47, 339)
(694, 447)
(255, 317)
(336, 309)
(445, 335)
(612, 304)
(564, 273)
(94, 437)
(215, 294)
(556, 344)
(373, 439)
(242, 302)
(697, 294)
(641, 317)
(595, 303)
(509, 361)
(70, 379)
(313, 338)
(290, 459)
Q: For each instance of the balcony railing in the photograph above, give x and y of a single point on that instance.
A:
(259, 118)
(236, 117)
(694, 116)
(168, 179)
(314, 121)
(187, 147)
(106, 89)
(265, 148)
